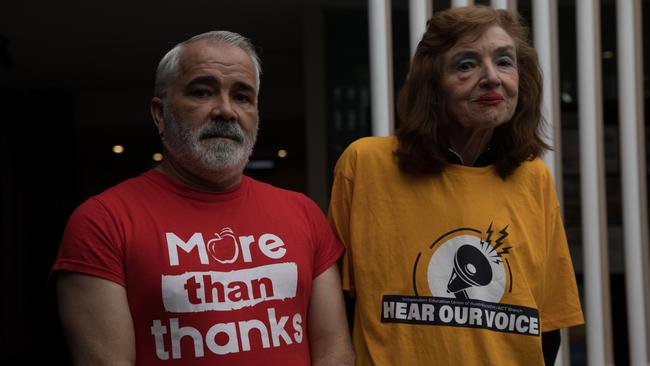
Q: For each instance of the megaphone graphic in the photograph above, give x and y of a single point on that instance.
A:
(471, 268)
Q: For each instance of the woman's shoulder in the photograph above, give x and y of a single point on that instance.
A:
(373, 144)
(535, 170)
(368, 152)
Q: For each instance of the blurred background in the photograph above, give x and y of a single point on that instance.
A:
(76, 78)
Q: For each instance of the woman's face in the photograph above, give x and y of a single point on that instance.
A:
(481, 81)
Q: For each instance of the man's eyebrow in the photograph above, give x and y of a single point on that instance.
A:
(212, 81)
(203, 80)
(244, 86)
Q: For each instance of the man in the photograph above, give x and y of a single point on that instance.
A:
(193, 263)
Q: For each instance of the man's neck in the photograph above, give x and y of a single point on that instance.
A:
(220, 181)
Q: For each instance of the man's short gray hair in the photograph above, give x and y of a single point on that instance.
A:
(168, 67)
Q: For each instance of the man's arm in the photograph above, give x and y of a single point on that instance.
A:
(96, 320)
(328, 328)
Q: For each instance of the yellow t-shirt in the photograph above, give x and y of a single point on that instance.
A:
(461, 268)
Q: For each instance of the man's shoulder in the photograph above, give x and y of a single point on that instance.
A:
(259, 187)
(127, 187)
(263, 191)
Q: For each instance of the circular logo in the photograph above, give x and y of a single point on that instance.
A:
(463, 265)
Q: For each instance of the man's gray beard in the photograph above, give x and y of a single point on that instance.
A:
(201, 149)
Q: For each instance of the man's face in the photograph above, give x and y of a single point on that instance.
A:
(481, 80)
(210, 115)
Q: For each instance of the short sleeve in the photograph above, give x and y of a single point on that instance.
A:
(561, 304)
(328, 248)
(339, 218)
(91, 244)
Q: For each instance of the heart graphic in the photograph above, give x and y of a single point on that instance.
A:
(224, 246)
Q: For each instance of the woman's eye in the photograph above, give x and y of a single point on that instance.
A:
(466, 65)
(505, 62)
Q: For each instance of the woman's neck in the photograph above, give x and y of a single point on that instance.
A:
(469, 144)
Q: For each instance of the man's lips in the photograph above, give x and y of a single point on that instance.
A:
(222, 136)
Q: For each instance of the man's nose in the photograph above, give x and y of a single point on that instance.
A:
(223, 108)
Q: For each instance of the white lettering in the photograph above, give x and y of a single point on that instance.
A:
(239, 335)
(224, 291)
(277, 329)
(211, 339)
(446, 313)
(271, 246)
(489, 316)
(428, 312)
(460, 314)
(475, 316)
(534, 326)
(501, 321)
(401, 310)
(297, 326)
(414, 312)
(158, 330)
(521, 328)
(178, 333)
(389, 309)
(245, 328)
(173, 242)
(245, 243)
(511, 322)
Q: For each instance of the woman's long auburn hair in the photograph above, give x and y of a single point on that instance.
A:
(423, 133)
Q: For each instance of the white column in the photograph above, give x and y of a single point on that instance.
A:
(546, 41)
(633, 175)
(460, 3)
(381, 67)
(504, 4)
(419, 13)
(592, 184)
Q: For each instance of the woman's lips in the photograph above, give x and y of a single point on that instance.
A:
(489, 99)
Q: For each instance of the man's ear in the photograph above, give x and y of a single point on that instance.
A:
(156, 109)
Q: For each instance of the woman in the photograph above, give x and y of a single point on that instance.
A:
(456, 251)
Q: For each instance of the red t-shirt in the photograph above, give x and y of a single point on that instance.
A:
(210, 277)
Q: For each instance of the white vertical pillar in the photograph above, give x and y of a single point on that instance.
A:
(419, 13)
(381, 67)
(633, 175)
(461, 3)
(592, 184)
(504, 4)
(546, 41)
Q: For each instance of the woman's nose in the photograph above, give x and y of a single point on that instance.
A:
(490, 77)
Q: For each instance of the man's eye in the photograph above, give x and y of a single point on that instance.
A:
(243, 98)
(201, 93)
